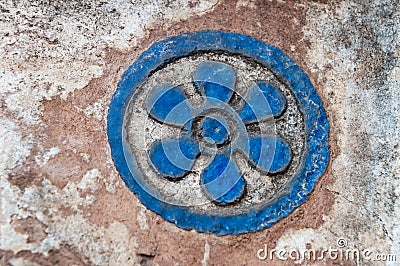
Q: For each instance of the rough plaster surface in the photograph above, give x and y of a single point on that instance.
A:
(62, 201)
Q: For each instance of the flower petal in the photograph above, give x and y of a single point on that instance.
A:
(174, 157)
(222, 180)
(271, 154)
(215, 80)
(168, 103)
(262, 101)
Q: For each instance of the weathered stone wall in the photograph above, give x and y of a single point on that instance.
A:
(63, 202)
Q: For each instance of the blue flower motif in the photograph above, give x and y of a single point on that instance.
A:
(216, 128)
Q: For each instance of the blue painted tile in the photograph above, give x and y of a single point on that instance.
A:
(223, 183)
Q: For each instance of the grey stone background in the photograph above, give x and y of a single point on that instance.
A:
(62, 201)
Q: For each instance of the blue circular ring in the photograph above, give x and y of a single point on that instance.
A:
(316, 155)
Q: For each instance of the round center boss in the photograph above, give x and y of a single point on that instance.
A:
(218, 132)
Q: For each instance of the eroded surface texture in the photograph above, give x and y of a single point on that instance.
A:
(63, 202)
